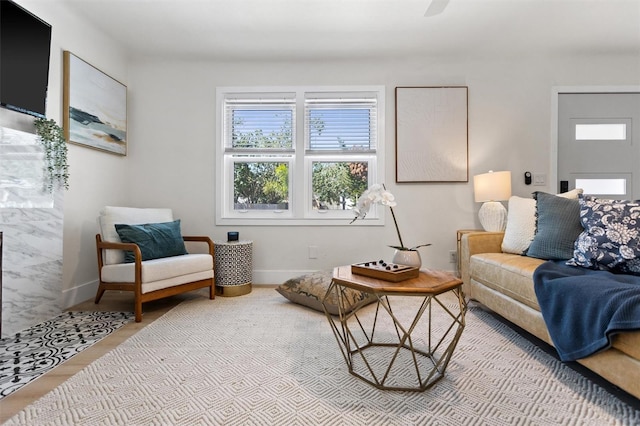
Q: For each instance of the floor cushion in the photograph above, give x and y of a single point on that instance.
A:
(309, 290)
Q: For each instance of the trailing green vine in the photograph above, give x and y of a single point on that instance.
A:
(56, 168)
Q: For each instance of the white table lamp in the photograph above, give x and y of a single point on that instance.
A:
(489, 189)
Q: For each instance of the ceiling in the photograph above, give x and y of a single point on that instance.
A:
(358, 29)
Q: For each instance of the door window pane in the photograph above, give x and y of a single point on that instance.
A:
(601, 132)
(603, 186)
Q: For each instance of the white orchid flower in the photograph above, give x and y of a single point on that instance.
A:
(388, 199)
(378, 194)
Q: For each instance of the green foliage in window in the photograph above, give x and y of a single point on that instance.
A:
(335, 183)
(278, 188)
(261, 183)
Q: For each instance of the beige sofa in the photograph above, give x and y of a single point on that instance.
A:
(503, 282)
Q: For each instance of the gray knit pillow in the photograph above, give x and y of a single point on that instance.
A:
(557, 227)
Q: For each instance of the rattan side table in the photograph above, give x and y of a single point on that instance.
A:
(233, 266)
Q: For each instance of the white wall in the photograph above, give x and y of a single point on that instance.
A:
(171, 153)
(96, 178)
(172, 133)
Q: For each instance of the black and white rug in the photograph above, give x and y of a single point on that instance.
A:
(34, 351)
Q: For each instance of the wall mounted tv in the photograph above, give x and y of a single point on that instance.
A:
(25, 44)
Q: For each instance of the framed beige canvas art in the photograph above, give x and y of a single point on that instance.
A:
(431, 134)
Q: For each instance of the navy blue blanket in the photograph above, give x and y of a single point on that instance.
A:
(583, 308)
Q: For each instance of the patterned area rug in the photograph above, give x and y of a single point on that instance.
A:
(261, 360)
(36, 350)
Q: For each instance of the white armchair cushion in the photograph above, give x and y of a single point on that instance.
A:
(110, 215)
(163, 272)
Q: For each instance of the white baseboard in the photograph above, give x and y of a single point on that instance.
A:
(78, 294)
(84, 292)
(276, 276)
(261, 277)
(280, 276)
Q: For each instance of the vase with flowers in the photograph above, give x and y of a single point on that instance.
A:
(378, 194)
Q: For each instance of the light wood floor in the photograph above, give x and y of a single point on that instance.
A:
(111, 301)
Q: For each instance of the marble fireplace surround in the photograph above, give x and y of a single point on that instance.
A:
(32, 224)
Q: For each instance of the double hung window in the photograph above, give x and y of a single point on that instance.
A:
(297, 155)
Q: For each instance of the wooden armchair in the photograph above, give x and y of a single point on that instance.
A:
(150, 270)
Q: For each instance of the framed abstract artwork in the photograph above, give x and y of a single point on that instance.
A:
(432, 134)
(94, 107)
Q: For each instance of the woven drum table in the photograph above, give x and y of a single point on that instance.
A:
(233, 267)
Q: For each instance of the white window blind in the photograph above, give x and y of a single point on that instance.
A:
(262, 124)
(341, 124)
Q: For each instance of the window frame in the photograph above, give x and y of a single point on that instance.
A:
(300, 211)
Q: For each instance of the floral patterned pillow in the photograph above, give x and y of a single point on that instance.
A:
(611, 237)
(309, 290)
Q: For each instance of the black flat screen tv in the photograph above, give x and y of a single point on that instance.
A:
(25, 44)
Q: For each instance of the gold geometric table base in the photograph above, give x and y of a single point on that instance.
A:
(410, 358)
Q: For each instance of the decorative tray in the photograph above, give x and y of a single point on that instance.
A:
(385, 271)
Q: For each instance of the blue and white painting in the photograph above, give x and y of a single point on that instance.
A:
(97, 107)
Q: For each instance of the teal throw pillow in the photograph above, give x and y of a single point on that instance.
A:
(155, 240)
(557, 227)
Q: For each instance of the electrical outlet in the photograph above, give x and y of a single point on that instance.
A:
(453, 256)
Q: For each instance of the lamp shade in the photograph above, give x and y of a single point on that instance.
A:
(492, 186)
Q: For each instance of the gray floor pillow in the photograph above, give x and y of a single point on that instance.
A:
(309, 290)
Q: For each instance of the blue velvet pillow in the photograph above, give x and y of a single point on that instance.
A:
(557, 227)
(611, 237)
(155, 240)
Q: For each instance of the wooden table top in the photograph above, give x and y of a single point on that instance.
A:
(428, 282)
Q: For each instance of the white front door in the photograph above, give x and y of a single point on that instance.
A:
(599, 144)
